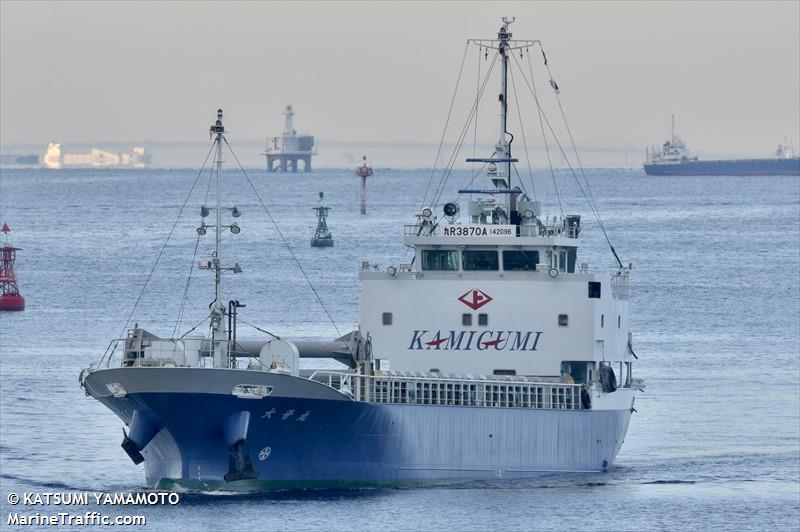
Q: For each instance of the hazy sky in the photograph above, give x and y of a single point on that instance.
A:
(381, 71)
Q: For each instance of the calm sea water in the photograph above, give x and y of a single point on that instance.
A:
(715, 310)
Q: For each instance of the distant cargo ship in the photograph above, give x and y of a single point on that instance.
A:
(96, 158)
(674, 159)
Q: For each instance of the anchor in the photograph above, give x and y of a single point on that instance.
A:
(142, 430)
(240, 465)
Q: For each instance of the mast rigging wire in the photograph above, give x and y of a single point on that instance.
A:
(164, 246)
(240, 320)
(569, 131)
(285, 242)
(592, 207)
(185, 297)
(196, 326)
(462, 135)
(475, 130)
(438, 191)
(447, 121)
(544, 140)
(524, 140)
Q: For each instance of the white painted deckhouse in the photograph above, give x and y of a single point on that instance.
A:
(492, 351)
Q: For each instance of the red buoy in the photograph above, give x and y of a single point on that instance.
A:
(10, 298)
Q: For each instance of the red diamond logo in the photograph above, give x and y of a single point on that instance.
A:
(475, 298)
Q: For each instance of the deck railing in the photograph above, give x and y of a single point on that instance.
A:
(447, 391)
(387, 388)
(176, 352)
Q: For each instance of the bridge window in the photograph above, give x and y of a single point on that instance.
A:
(572, 256)
(522, 260)
(438, 259)
(483, 320)
(466, 320)
(594, 290)
(387, 318)
(563, 320)
(481, 260)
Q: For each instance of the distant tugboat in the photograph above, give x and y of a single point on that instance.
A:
(675, 159)
(10, 298)
(322, 236)
(364, 172)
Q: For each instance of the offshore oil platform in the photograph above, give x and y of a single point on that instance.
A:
(285, 152)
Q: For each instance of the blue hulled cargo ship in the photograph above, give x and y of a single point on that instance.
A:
(674, 159)
(493, 353)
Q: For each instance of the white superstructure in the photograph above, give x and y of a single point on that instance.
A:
(673, 151)
(285, 152)
(96, 158)
(505, 305)
(495, 288)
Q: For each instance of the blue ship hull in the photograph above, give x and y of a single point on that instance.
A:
(736, 167)
(297, 442)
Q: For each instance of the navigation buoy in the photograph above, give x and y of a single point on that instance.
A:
(322, 236)
(10, 298)
(364, 172)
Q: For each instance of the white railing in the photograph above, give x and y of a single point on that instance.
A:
(453, 391)
(419, 230)
(177, 352)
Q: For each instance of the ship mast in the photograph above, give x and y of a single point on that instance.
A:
(673, 130)
(502, 150)
(503, 146)
(217, 323)
(220, 349)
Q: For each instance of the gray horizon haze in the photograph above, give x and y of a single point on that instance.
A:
(90, 72)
